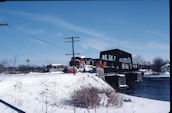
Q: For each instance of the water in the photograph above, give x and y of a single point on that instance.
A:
(152, 88)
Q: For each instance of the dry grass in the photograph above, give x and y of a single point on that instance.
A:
(114, 100)
(90, 98)
(86, 97)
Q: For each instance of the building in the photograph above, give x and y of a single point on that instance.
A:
(165, 68)
(55, 67)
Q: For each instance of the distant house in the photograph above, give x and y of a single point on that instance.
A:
(55, 67)
(165, 68)
(147, 71)
(135, 66)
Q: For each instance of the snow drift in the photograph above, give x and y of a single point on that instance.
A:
(41, 92)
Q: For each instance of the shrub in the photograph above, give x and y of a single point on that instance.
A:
(91, 97)
(86, 97)
(114, 99)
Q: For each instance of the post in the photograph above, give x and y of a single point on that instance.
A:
(73, 56)
(73, 51)
(27, 60)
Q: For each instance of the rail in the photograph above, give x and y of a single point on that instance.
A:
(11, 106)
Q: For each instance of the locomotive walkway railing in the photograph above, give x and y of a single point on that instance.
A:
(12, 107)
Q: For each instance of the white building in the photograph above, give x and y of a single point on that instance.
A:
(165, 68)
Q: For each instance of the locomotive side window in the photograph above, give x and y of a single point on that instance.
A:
(125, 60)
(125, 66)
(108, 57)
(114, 58)
(126, 63)
(104, 57)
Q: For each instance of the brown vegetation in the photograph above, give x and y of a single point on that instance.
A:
(90, 98)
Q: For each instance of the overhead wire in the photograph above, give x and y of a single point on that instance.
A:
(36, 38)
(24, 46)
(20, 44)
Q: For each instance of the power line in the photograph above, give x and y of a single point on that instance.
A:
(34, 37)
(3, 24)
(18, 42)
(73, 50)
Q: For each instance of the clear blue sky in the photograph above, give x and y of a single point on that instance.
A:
(139, 27)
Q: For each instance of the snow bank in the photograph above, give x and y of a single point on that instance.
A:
(143, 105)
(30, 93)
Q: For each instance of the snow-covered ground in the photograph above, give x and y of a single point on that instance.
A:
(165, 74)
(31, 91)
(150, 73)
(146, 71)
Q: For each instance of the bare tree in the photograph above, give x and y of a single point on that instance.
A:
(166, 61)
(139, 60)
(1, 68)
(157, 63)
(148, 63)
(14, 61)
(4, 62)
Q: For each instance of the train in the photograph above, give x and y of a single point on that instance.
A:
(118, 67)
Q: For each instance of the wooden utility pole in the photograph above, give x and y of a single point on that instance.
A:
(27, 60)
(72, 40)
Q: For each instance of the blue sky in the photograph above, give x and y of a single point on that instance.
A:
(139, 27)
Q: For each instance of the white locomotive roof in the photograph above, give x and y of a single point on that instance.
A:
(56, 64)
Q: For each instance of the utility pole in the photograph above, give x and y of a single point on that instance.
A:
(27, 60)
(72, 40)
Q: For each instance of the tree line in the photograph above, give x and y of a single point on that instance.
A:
(9, 65)
(155, 65)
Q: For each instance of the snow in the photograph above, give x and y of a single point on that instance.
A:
(123, 85)
(146, 71)
(89, 68)
(165, 68)
(115, 74)
(165, 74)
(143, 105)
(121, 75)
(6, 109)
(29, 92)
(83, 57)
(143, 70)
(56, 65)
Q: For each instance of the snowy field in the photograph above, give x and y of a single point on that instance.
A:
(31, 91)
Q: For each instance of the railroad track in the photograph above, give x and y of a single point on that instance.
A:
(11, 106)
